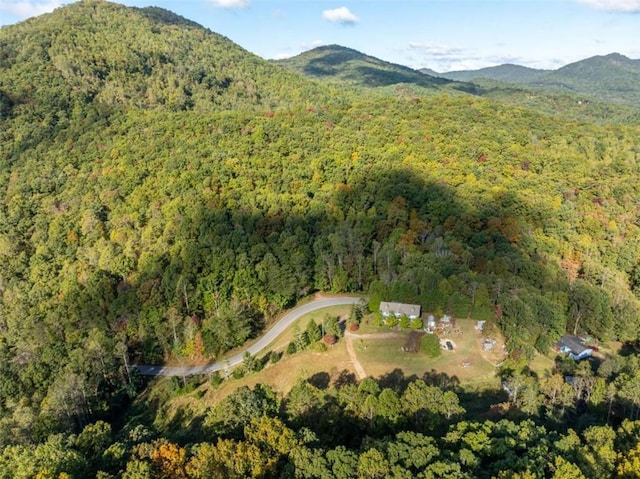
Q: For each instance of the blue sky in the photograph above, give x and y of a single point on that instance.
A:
(443, 35)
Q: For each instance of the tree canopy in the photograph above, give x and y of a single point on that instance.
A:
(164, 194)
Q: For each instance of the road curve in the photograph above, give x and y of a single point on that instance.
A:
(264, 341)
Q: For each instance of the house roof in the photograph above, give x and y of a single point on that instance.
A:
(400, 309)
(574, 343)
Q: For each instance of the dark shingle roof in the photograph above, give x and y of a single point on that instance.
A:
(574, 343)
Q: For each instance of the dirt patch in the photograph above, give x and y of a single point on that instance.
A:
(412, 344)
(492, 349)
(348, 338)
(378, 335)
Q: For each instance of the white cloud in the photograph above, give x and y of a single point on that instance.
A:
(435, 49)
(232, 3)
(282, 56)
(23, 9)
(445, 58)
(288, 51)
(340, 15)
(624, 6)
(291, 51)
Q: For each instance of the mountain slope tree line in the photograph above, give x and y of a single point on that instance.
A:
(164, 194)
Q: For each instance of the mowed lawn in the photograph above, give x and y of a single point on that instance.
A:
(379, 357)
(281, 342)
(542, 365)
(284, 374)
(466, 362)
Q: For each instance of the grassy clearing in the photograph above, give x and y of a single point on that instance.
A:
(378, 357)
(280, 343)
(542, 365)
(381, 356)
(283, 375)
(367, 326)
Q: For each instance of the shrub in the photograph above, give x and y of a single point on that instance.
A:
(275, 356)
(330, 339)
(249, 362)
(391, 321)
(215, 380)
(430, 345)
(319, 347)
(332, 326)
(313, 332)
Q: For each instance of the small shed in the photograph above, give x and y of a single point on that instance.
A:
(574, 347)
(488, 344)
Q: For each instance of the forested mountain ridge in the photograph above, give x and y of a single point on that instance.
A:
(507, 72)
(108, 56)
(511, 84)
(614, 78)
(138, 228)
(340, 64)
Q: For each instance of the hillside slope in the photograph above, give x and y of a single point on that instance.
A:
(152, 214)
(507, 73)
(104, 53)
(344, 65)
(611, 78)
(512, 84)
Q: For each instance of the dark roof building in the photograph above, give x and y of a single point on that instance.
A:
(575, 347)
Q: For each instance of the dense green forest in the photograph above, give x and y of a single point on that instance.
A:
(164, 194)
(387, 429)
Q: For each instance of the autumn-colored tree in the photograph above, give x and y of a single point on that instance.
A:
(228, 459)
(169, 460)
(629, 463)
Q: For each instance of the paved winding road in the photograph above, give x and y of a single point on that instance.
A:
(255, 348)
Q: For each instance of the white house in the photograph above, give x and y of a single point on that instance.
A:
(412, 311)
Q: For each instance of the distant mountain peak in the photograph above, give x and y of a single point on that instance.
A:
(507, 72)
(611, 78)
(337, 63)
(600, 62)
